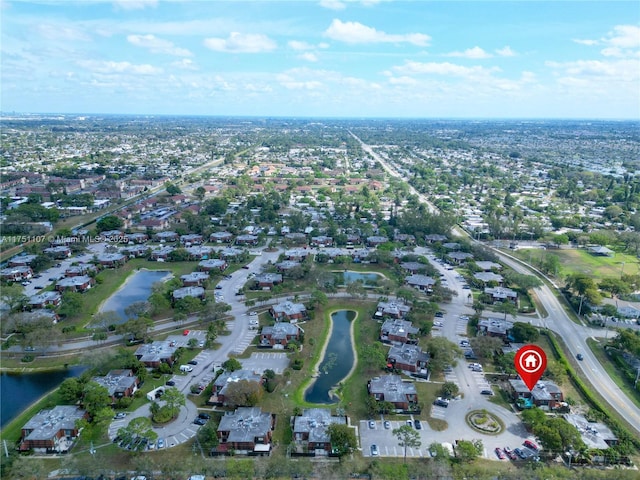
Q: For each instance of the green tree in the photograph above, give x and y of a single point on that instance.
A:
(70, 390)
(467, 451)
(173, 399)
(172, 189)
(343, 439)
(523, 332)
(138, 427)
(95, 397)
(507, 308)
(243, 393)
(72, 304)
(442, 352)
(231, 365)
(449, 390)
(13, 296)
(407, 438)
(109, 222)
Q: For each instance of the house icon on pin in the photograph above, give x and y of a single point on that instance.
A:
(531, 361)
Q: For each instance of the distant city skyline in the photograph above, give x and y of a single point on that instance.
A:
(327, 58)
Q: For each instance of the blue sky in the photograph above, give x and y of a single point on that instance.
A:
(344, 58)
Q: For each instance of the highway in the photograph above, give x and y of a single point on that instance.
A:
(574, 336)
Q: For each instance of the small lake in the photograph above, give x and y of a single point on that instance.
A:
(19, 391)
(136, 289)
(369, 279)
(338, 359)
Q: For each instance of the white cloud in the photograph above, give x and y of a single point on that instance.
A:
(309, 57)
(300, 46)
(475, 53)
(61, 32)
(110, 67)
(333, 4)
(355, 32)
(185, 64)
(241, 43)
(404, 80)
(158, 45)
(624, 70)
(134, 4)
(585, 42)
(624, 36)
(505, 52)
(445, 68)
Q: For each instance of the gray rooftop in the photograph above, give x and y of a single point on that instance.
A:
(408, 354)
(289, 308)
(392, 387)
(245, 424)
(155, 352)
(488, 277)
(227, 378)
(73, 281)
(280, 330)
(420, 280)
(184, 292)
(47, 423)
(117, 381)
(212, 263)
(398, 328)
(315, 421)
(594, 434)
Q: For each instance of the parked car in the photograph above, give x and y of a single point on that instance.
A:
(531, 445)
(120, 415)
(500, 453)
(170, 383)
(387, 424)
(418, 425)
(521, 453)
(372, 424)
(192, 362)
(374, 450)
(510, 453)
(160, 443)
(486, 391)
(441, 402)
(206, 416)
(410, 423)
(200, 421)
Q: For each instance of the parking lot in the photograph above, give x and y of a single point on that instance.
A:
(388, 444)
(261, 361)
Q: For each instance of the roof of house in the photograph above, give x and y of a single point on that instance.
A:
(280, 330)
(407, 354)
(212, 263)
(155, 351)
(117, 380)
(413, 266)
(287, 264)
(495, 325)
(488, 277)
(111, 257)
(268, 278)
(420, 280)
(594, 434)
(460, 255)
(47, 423)
(392, 387)
(484, 265)
(73, 281)
(245, 424)
(541, 391)
(393, 308)
(43, 297)
(500, 292)
(315, 421)
(227, 378)
(184, 292)
(398, 328)
(289, 308)
(194, 276)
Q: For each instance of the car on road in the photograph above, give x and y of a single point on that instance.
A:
(192, 362)
(29, 349)
(25, 283)
(218, 287)
(374, 450)
(417, 424)
(510, 453)
(466, 287)
(120, 415)
(38, 287)
(200, 421)
(499, 453)
(580, 357)
(170, 383)
(246, 267)
(530, 444)
(387, 424)
(372, 424)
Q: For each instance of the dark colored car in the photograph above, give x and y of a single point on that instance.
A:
(521, 453)
(206, 416)
(200, 421)
(580, 357)
(486, 392)
(192, 362)
(417, 424)
(170, 383)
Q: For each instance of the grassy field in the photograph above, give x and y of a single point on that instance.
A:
(578, 260)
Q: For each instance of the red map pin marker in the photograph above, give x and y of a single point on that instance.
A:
(530, 362)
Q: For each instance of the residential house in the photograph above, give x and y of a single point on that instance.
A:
(22, 260)
(247, 239)
(212, 265)
(408, 358)
(135, 251)
(112, 260)
(404, 238)
(191, 239)
(52, 430)
(322, 241)
(80, 283)
(36, 315)
(595, 435)
(161, 254)
(246, 430)
(288, 311)
(487, 266)
(287, 265)
(487, 277)
(423, 283)
(434, 237)
(231, 253)
(501, 294)
(194, 279)
(601, 251)
(310, 430)
(375, 240)
(545, 395)
(225, 379)
(44, 299)
(16, 274)
(58, 252)
(398, 330)
(199, 252)
(155, 353)
(184, 292)
(137, 238)
(279, 335)
(391, 309)
(413, 267)
(221, 237)
(296, 254)
(267, 280)
(80, 269)
(495, 327)
(296, 238)
(458, 258)
(391, 388)
(119, 383)
(166, 236)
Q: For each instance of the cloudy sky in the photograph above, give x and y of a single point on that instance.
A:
(344, 58)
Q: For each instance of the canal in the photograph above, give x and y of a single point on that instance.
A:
(338, 359)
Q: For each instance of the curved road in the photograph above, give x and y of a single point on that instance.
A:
(573, 335)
